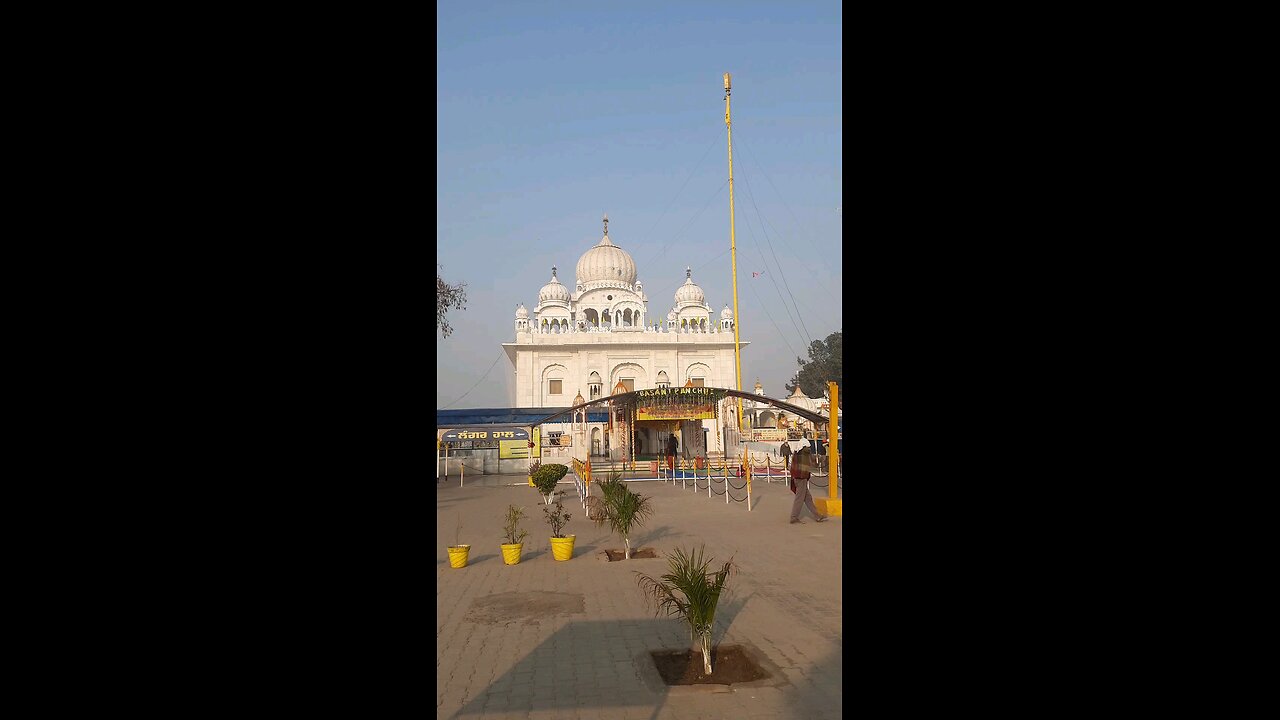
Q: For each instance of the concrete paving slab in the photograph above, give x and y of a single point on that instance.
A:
(576, 646)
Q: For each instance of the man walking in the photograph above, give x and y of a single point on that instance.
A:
(800, 472)
(786, 455)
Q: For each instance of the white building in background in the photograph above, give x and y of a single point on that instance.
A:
(761, 415)
(601, 333)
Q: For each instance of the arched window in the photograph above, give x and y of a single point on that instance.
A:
(631, 375)
(553, 377)
(697, 374)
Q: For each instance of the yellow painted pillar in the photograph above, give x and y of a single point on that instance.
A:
(831, 505)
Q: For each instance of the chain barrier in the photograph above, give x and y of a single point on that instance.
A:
(697, 483)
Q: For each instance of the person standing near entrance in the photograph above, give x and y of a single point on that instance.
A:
(786, 455)
(801, 469)
(672, 446)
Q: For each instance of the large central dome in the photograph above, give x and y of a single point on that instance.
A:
(606, 263)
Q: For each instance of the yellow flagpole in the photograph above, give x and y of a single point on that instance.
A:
(733, 254)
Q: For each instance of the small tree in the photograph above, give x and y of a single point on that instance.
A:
(514, 534)
(826, 362)
(448, 296)
(622, 509)
(699, 594)
(557, 519)
(546, 478)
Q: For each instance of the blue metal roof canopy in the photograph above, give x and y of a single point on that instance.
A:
(508, 416)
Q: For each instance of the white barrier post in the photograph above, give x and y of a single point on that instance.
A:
(463, 476)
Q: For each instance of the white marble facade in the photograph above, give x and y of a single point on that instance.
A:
(588, 339)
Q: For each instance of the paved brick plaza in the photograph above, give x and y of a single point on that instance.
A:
(547, 639)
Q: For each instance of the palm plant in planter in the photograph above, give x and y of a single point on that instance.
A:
(514, 535)
(546, 478)
(533, 468)
(622, 509)
(690, 592)
(561, 545)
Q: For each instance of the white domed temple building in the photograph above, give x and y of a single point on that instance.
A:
(600, 337)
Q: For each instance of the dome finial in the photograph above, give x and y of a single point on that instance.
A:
(688, 272)
(606, 224)
(553, 271)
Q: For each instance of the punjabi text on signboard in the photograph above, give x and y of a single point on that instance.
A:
(495, 434)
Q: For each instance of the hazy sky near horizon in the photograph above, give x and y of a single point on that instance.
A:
(551, 114)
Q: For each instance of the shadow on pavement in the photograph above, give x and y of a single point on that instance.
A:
(581, 668)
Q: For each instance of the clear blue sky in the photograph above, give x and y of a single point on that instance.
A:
(550, 114)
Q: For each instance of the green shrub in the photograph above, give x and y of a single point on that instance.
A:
(557, 518)
(547, 476)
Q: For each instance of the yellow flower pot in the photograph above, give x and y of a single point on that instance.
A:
(562, 548)
(511, 553)
(458, 555)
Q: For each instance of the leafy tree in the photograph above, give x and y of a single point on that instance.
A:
(699, 594)
(448, 296)
(824, 364)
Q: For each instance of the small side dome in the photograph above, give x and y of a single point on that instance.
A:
(521, 312)
(689, 292)
(553, 290)
(726, 313)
